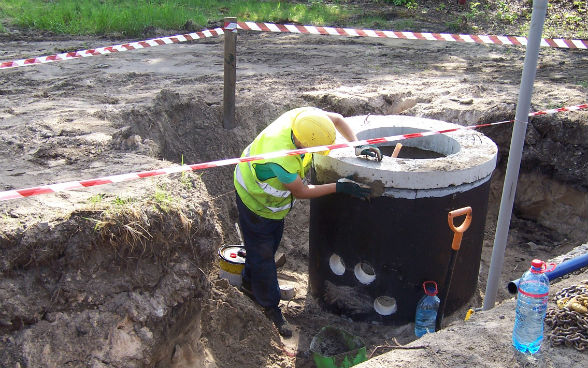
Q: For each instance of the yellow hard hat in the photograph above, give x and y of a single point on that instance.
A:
(314, 128)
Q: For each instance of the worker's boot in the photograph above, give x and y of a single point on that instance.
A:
(275, 315)
(247, 290)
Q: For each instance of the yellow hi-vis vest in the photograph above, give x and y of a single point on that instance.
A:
(270, 198)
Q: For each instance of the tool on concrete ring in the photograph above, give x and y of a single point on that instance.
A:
(396, 150)
(457, 236)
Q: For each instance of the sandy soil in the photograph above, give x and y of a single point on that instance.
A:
(147, 298)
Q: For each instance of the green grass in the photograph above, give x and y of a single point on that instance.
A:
(407, 3)
(131, 17)
(504, 13)
(96, 199)
(163, 199)
(374, 22)
(403, 25)
(139, 18)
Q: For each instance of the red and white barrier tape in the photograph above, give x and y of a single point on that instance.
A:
(111, 49)
(292, 28)
(52, 188)
(485, 39)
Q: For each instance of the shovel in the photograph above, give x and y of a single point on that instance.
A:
(457, 235)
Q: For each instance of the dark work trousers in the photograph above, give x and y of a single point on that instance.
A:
(261, 237)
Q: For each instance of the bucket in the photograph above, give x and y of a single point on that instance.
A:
(232, 261)
(336, 348)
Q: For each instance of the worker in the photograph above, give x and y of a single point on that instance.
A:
(266, 190)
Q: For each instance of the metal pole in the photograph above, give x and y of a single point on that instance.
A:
(230, 76)
(515, 152)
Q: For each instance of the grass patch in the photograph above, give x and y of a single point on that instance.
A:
(163, 199)
(147, 226)
(504, 13)
(108, 16)
(96, 200)
(403, 25)
(475, 10)
(410, 4)
(375, 22)
(454, 25)
(131, 18)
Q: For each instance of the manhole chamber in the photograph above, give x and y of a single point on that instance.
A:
(369, 259)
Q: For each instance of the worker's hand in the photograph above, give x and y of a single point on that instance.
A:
(352, 188)
(368, 150)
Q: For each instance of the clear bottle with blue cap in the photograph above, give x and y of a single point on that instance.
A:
(532, 297)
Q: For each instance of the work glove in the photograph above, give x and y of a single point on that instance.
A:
(352, 188)
(368, 150)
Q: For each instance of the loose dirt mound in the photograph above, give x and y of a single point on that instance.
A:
(125, 275)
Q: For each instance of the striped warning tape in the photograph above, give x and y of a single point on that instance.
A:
(52, 188)
(111, 49)
(485, 39)
(292, 28)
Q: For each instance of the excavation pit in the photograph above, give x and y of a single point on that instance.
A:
(368, 259)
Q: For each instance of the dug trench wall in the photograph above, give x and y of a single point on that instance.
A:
(115, 282)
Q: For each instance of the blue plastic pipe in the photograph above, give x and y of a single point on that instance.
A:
(561, 269)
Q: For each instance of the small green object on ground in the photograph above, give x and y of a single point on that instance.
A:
(335, 348)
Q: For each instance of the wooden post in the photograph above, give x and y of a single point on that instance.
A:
(230, 77)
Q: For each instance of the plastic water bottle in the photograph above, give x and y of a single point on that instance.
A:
(532, 298)
(426, 311)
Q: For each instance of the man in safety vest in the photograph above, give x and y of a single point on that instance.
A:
(266, 190)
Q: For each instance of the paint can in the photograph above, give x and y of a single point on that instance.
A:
(287, 292)
(231, 262)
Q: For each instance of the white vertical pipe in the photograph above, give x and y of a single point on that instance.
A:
(515, 152)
